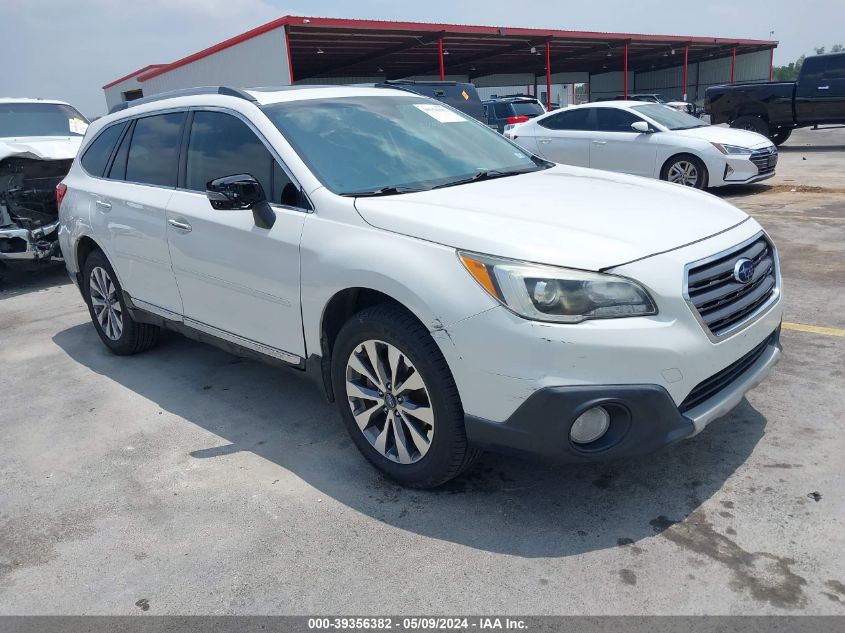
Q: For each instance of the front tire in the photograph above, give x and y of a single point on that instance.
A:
(685, 169)
(104, 296)
(752, 123)
(398, 399)
(779, 137)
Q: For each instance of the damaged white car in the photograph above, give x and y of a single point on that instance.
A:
(38, 142)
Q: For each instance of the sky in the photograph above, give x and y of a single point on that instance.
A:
(67, 49)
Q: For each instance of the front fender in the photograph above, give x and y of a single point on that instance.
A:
(427, 278)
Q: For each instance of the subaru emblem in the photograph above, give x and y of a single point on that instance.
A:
(743, 270)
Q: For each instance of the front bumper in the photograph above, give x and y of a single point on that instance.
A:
(666, 370)
(27, 245)
(744, 169)
(644, 418)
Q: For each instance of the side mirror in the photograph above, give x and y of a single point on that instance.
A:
(642, 127)
(241, 191)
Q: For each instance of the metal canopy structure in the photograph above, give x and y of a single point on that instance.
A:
(321, 47)
(336, 48)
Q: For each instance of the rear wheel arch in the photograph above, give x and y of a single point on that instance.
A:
(84, 247)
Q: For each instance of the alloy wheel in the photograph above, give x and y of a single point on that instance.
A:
(105, 303)
(683, 172)
(390, 401)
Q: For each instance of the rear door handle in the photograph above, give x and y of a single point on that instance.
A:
(599, 142)
(824, 87)
(544, 141)
(103, 204)
(182, 226)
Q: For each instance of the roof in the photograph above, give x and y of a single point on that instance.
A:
(147, 68)
(331, 47)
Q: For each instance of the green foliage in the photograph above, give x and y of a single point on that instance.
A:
(791, 70)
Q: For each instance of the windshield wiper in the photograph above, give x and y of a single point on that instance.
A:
(384, 191)
(483, 175)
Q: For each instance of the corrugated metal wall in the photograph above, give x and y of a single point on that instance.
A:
(114, 95)
(670, 81)
(260, 61)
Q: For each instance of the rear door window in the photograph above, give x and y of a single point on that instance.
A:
(154, 151)
(568, 120)
(97, 155)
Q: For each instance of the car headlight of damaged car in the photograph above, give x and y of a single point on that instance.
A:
(563, 295)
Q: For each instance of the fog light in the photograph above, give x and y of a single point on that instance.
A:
(590, 425)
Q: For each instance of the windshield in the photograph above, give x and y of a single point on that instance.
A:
(380, 143)
(527, 108)
(40, 119)
(669, 117)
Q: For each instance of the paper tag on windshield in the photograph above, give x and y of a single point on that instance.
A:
(444, 115)
(77, 126)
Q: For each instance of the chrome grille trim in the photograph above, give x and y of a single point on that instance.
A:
(724, 306)
(760, 158)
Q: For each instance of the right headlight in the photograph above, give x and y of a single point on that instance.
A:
(563, 295)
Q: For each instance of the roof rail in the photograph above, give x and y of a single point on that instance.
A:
(185, 92)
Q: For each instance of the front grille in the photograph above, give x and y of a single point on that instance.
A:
(765, 160)
(720, 300)
(713, 385)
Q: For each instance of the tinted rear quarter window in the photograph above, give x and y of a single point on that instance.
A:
(117, 171)
(154, 152)
(502, 110)
(99, 151)
(571, 120)
(527, 108)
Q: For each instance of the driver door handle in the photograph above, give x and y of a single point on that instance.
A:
(182, 226)
(600, 142)
(824, 87)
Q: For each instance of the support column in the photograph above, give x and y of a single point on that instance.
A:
(686, 65)
(440, 54)
(548, 76)
(733, 64)
(625, 72)
(771, 64)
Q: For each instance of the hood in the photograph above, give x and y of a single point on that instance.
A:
(43, 148)
(564, 216)
(729, 135)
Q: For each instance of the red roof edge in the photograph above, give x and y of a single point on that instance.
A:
(159, 69)
(133, 74)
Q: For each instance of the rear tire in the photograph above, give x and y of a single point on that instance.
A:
(752, 123)
(409, 423)
(685, 169)
(122, 334)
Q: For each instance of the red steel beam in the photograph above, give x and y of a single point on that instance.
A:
(733, 64)
(686, 64)
(440, 53)
(625, 72)
(771, 64)
(548, 75)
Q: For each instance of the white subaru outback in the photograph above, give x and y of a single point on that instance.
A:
(448, 289)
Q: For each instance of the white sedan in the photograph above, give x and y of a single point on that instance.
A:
(649, 139)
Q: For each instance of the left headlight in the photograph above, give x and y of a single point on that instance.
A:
(563, 295)
(731, 149)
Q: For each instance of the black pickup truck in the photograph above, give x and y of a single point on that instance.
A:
(774, 109)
